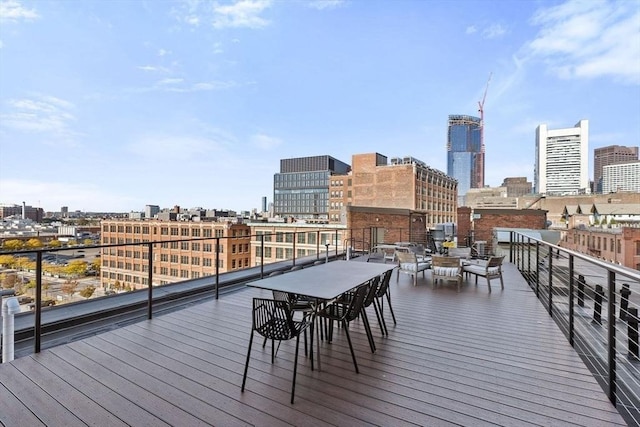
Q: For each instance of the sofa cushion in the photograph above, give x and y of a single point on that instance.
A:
(446, 271)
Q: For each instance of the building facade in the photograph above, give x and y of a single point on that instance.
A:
(301, 188)
(274, 242)
(174, 258)
(610, 155)
(22, 211)
(465, 154)
(517, 186)
(403, 183)
(619, 245)
(562, 163)
(621, 177)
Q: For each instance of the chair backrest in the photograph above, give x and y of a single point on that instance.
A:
(356, 303)
(373, 289)
(495, 261)
(384, 284)
(405, 257)
(418, 250)
(460, 252)
(445, 261)
(273, 319)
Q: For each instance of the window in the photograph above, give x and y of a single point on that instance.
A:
(288, 238)
(206, 262)
(164, 257)
(184, 260)
(279, 253)
(258, 251)
(174, 245)
(206, 233)
(301, 253)
(267, 252)
(637, 247)
(279, 237)
(301, 238)
(174, 258)
(195, 260)
(311, 238)
(164, 231)
(195, 232)
(184, 246)
(207, 247)
(174, 231)
(184, 232)
(195, 246)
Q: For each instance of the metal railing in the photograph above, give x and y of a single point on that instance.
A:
(336, 247)
(595, 304)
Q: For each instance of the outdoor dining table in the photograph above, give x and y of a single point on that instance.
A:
(322, 284)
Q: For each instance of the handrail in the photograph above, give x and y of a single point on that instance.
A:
(616, 371)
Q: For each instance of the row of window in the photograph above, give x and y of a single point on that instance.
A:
(173, 231)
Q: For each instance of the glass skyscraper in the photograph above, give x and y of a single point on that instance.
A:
(465, 156)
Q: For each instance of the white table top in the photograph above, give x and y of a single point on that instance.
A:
(324, 281)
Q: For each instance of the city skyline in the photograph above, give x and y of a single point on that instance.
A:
(110, 106)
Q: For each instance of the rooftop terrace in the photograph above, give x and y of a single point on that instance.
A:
(470, 358)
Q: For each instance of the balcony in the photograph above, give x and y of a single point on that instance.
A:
(468, 358)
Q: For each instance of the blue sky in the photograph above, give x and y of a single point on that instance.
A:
(112, 105)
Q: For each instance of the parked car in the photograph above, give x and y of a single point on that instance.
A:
(25, 299)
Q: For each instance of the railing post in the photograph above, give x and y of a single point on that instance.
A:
(37, 339)
(550, 278)
(625, 292)
(632, 333)
(294, 249)
(150, 284)
(336, 240)
(537, 269)
(317, 244)
(217, 265)
(597, 305)
(611, 329)
(529, 258)
(261, 256)
(511, 246)
(571, 300)
(581, 284)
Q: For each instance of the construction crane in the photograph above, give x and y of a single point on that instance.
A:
(479, 179)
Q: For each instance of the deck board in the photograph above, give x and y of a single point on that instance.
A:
(470, 358)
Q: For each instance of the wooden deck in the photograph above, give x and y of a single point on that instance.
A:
(471, 358)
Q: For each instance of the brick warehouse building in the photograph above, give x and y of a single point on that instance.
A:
(478, 224)
(173, 261)
(401, 183)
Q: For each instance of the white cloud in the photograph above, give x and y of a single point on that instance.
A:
(471, 29)
(163, 52)
(13, 11)
(170, 81)
(238, 14)
(243, 13)
(326, 4)
(152, 68)
(265, 142)
(589, 39)
(41, 114)
(494, 31)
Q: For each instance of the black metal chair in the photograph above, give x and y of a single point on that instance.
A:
(345, 312)
(382, 292)
(273, 320)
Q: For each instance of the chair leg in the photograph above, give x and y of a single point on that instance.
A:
(390, 307)
(295, 366)
(501, 281)
(489, 283)
(367, 329)
(380, 316)
(353, 354)
(246, 365)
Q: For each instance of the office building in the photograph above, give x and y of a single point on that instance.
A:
(465, 153)
(22, 211)
(301, 188)
(621, 177)
(150, 211)
(610, 155)
(562, 163)
(401, 183)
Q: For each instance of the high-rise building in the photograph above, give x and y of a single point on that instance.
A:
(150, 211)
(610, 155)
(562, 161)
(401, 183)
(621, 177)
(465, 154)
(64, 211)
(264, 204)
(301, 188)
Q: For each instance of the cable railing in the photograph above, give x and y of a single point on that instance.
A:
(159, 263)
(595, 305)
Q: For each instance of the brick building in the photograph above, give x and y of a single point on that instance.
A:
(479, 224)
(403, 183)
(173, 260)
(385, 225)
(618, 245)
(24, 211)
